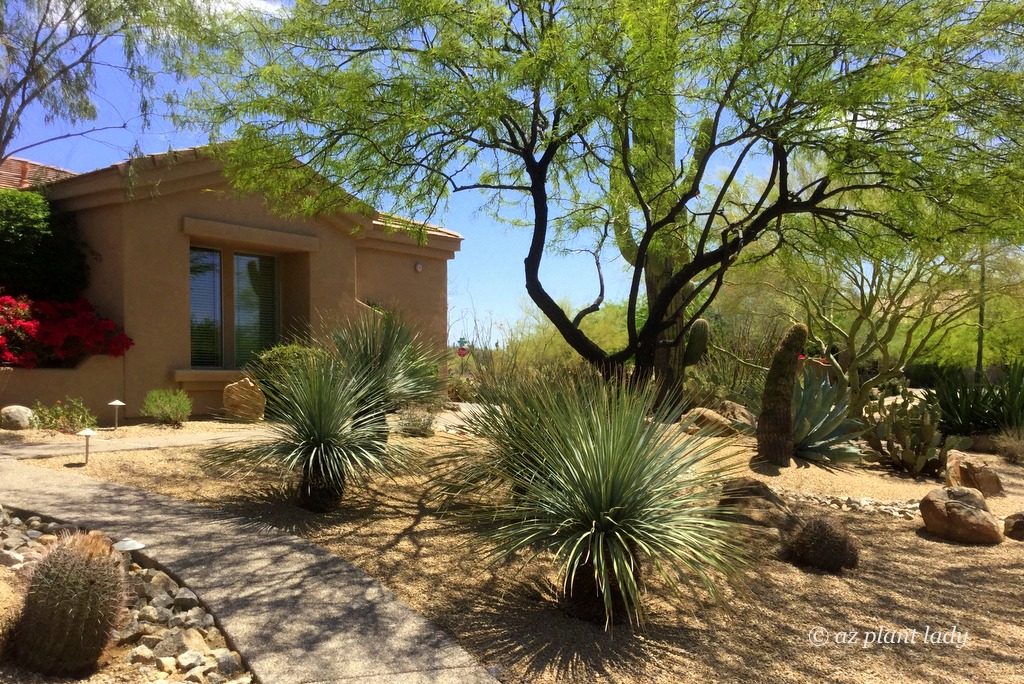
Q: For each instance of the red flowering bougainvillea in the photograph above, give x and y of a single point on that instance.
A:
(55, 333)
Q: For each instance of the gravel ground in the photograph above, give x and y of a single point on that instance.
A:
(759, 631)
(133, 431)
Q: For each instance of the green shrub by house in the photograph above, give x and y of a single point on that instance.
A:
(170, 407)
(40, 253)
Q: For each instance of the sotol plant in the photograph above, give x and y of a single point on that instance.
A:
(775, 424)
(327, 430)
(585, 470)
(73, 604)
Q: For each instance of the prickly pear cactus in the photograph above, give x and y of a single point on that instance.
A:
(73, 604)
(775, 424)
(905, 432)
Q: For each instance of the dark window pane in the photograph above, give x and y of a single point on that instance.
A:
(204, 305)
(255, 306)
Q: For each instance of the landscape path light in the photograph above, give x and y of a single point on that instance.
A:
(87, 433)
(117, 404)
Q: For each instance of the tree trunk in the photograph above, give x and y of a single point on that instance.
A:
(586, 602)
(317, 494)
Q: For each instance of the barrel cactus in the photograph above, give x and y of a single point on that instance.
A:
(775, 424)
(696, 342)
(822, 542)
(73, 604)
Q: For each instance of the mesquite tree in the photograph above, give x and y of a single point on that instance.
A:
(639, 120)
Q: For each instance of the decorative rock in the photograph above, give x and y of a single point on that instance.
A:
(755, 503)
(15, 417)
(167, 664)
(737, 413)
(244, 400)
(1013, 526)
(141, 655)
(190, 659)
(130, 633)
(11, 558)
(963, 471)
(196, 674)
(179, 641)
(162, 581)
(215, 678)
(48, 539)
(705, 418)
(228, 662)
(185, 599)
(162, 601)
(151, 640)
(960, 514)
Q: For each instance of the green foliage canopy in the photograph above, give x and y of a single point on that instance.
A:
(404, 103)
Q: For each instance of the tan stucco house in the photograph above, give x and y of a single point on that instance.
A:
(201, 278)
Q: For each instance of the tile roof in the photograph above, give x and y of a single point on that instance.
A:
(22, 173)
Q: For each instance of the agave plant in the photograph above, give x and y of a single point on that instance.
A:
(326, 430)
(584, 469)
(391, 356)
(822, 428)
(968, 407)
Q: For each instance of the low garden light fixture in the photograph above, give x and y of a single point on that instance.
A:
(117, 404)
(87, 433)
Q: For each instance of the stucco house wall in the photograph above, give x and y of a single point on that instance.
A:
(139, 227)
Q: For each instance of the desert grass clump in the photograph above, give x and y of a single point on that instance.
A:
(1010, 444)
(326, 431)
(391, 356)
(584, 470)
(822, 542)
(73, 604)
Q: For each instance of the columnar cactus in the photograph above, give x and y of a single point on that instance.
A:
(73, 604)
(696, 342)
(775, 424)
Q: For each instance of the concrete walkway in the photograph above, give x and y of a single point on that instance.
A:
(298, 614)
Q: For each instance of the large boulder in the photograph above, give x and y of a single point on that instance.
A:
(705, 419)
(15, 417)
(1013, 526)
(964, 471)
(960, 514)
(243, 400)
(737, 413)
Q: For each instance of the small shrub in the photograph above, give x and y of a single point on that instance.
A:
(416, 422)
(73, 604)
(967, 407)
(1010, 444)
(170, 407)
(281, 357)
(68, 415)
(822, 542)
(904, 432)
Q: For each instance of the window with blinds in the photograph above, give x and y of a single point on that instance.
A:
(205, 307)
(256, 305)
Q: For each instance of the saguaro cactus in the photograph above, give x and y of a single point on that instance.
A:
(775, 424)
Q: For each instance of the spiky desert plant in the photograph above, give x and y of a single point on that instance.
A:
(585, 470)
(775, 424)
(326, 430)
(391, 356)
(73, 604)
(822, 428)
(822, 542)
